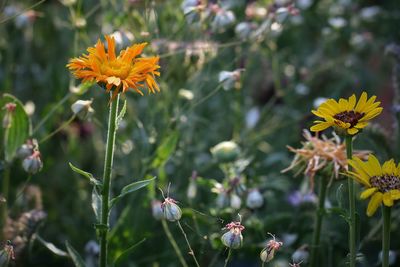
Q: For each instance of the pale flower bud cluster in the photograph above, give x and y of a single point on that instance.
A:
(30, 155)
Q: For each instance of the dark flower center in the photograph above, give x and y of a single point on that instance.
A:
(351, 117)
(385, 182)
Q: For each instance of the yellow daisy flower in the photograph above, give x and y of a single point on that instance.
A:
(347, 114)
(382, 182)
(117, 73)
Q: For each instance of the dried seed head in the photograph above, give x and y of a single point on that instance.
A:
(157, 210)
(268, 253)
(254, 199)
(33, 163)
(233, 238)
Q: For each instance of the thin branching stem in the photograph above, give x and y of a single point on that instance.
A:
(191, 252)
(228, 257)
(173, 243)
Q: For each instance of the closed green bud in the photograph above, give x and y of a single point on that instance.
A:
(226, 151)
(171, 210)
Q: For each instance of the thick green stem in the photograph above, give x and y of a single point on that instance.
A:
(4, 193)
(318, 222)
(191, 252)
(108, 163)
(228, 257)
(173, 243)
(385, 235)
(352, 205)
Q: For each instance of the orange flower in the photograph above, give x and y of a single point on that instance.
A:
(117, 73)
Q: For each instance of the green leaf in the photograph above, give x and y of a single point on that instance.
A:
(51, 247)
(96, 204)
(76, 258)
(164, 151)
(121, 113)
(88, 175)
(19, 126)
(126, 252)
(131, 188)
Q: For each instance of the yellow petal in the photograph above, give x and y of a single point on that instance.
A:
(367, 193)
(361, 102)
(374, 203)
(352, 102)
(395, 194)
(352, 131)
(374, 165)
(389, 167)
(387, 199)
(320, 126)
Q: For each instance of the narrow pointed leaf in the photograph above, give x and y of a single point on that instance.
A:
(126, 253)
(76, 258)
(52, 247)
(88, 175)
(121, 113)
(131, 188)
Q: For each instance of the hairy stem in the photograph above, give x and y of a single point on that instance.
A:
(108, 163)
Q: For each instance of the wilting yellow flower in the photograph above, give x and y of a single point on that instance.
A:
(117, 73)
(318, 153)
(382, 182)
(347, 114)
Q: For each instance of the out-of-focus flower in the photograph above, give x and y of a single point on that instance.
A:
(268, 253)
(317, 153)
(346, 115)
(301, 254)
(318, 101)
(8, 116)
(192, 187)
(370, 13)
(27, 149)
(222, 20)
(68, 2)
(252, 117)
(157, 210)
(254, 199)
(337, 22)
(229, 79)
(382, 181)
(186, 94)
(392, 257)
(233, 238)
(297, 198)
(171, 210)
(119, 74)
(226, 151)
(7, 254)
(123, 38)
(83, 109)
(33, 163)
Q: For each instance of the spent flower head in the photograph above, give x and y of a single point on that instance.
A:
(347, 116)
(233, 238)
(268, 253)
(317, 153)
(382, 182)
(117, 73)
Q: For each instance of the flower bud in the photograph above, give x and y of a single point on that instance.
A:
(222, 20)
(392, 257)
(156, 210)
(301, 255)
(233, 238)
(27, 149)
(244, 29)
(33, 163)
(82, 109)
(226, 151)
(268, 253)
(229, 79)
(192, 188)
(10, 109)
(235, 201)
(222, 200)
(254, 199)
(172, 212)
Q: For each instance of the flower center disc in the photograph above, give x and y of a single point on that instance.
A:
(116, 68)
(385, 183)
(351, 117)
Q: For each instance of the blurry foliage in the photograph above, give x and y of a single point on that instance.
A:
(319, 49)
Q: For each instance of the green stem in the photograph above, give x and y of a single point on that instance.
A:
(318, 222)
(108, 163)
(191, 252)
(352, 205)
(4, 192)
(173, 243)
(228, 257)
(62, 126)
(386, 235)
